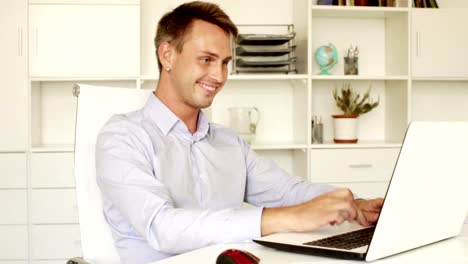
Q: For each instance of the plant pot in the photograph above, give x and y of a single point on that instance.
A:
(345, 128)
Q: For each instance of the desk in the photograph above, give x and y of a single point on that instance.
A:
(451, 251)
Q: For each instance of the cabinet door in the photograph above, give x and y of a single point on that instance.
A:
(13, 75)
(13, 171)
(54, 206)
(52, 170)
(13, 207)
(84, 40)
(55, 241)
(440, 43)
(14, 242)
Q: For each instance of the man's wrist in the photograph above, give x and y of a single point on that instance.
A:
(275, 220)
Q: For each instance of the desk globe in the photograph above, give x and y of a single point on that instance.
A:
(326, 57)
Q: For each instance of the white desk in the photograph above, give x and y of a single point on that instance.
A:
(451, 251)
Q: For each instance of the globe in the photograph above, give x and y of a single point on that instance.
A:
(326, 57)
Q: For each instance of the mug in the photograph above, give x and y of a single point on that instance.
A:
(244, 121)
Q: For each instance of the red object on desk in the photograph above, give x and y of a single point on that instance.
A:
(237, 256)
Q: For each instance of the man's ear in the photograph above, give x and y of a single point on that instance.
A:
(166, 54)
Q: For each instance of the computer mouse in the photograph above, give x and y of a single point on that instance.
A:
(237, 256)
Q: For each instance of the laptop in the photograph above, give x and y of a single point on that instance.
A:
(425, 201)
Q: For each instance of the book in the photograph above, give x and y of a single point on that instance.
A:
(325, 2)
(433, 4)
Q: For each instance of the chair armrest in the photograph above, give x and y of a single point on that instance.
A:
(77, 260)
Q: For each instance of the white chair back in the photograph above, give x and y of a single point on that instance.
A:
(95, 106)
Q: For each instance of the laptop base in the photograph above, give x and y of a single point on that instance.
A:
(322, 252)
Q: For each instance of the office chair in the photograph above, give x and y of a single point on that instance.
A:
(95, 106)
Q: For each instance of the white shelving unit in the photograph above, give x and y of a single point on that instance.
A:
(404, 56)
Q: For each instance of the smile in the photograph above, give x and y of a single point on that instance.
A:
(209, 89)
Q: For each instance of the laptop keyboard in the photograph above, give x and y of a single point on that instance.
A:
(347, 241)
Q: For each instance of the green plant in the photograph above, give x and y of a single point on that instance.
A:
(351, 102)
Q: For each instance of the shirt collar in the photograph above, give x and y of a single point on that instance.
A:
(165, 119)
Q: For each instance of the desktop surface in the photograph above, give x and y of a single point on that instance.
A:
(450, 251)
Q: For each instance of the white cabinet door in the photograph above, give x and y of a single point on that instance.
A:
(13, 75)
(55, 242)
(14, 242)
(440, 42)
(13, 207)
(54, 206)
(52, 170)
(84, 40)
(13, 170)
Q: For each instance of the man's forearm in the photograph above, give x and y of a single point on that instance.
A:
(273, 220)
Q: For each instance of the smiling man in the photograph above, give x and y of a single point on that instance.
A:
(171, 181)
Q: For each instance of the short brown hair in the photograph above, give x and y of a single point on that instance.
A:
(174, 25)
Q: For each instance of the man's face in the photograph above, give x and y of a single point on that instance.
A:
(199, 72)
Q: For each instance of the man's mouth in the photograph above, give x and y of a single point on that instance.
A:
(208, 88)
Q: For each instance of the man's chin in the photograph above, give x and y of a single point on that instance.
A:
(204, 104)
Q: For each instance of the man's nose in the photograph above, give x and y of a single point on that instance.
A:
(219, 72)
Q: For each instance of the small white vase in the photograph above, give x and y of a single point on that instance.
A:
(345, 128)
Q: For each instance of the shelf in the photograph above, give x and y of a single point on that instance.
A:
(448, 79)
(267, 77)
(357, 11)
(72, 79)
(359, 145)
(359, 78)
(53, 148)
(249, 77)
(278, 146)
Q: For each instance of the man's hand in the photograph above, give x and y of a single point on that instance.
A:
(330, 208)
(370, 210)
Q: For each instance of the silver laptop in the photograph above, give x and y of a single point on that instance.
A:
(425, 200)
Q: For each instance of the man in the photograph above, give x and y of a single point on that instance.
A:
(172, 182)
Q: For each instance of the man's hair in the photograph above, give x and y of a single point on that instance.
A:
(175, 25)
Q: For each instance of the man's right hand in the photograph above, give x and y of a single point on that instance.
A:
(330, 208)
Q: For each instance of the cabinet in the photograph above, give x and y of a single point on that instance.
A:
(84, 40)
(13, 75)
(110, 43)
(434, 32)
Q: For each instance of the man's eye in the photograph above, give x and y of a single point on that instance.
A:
(206, 60)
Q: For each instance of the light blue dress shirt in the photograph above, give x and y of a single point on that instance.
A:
(166, 191)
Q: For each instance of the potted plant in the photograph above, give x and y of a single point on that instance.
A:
(353, 105)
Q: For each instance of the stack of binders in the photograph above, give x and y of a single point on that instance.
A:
(265, 53)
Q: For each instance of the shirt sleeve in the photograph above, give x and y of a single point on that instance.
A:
(138, 205)
(270, 186)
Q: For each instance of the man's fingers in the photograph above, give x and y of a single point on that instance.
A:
(371, 217)
(373, 205)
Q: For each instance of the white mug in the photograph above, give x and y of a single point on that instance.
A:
(244, 121)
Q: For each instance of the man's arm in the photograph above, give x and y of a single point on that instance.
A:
(294, 204)
(140, 205)
(330, 208)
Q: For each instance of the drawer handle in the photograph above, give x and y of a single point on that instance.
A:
(360, 166)
(77, 242)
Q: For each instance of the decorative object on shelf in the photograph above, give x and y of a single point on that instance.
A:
(351, 66)
(352, 105)
(317, 130)
(265, 53)
(244, 121)
(326, 57)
